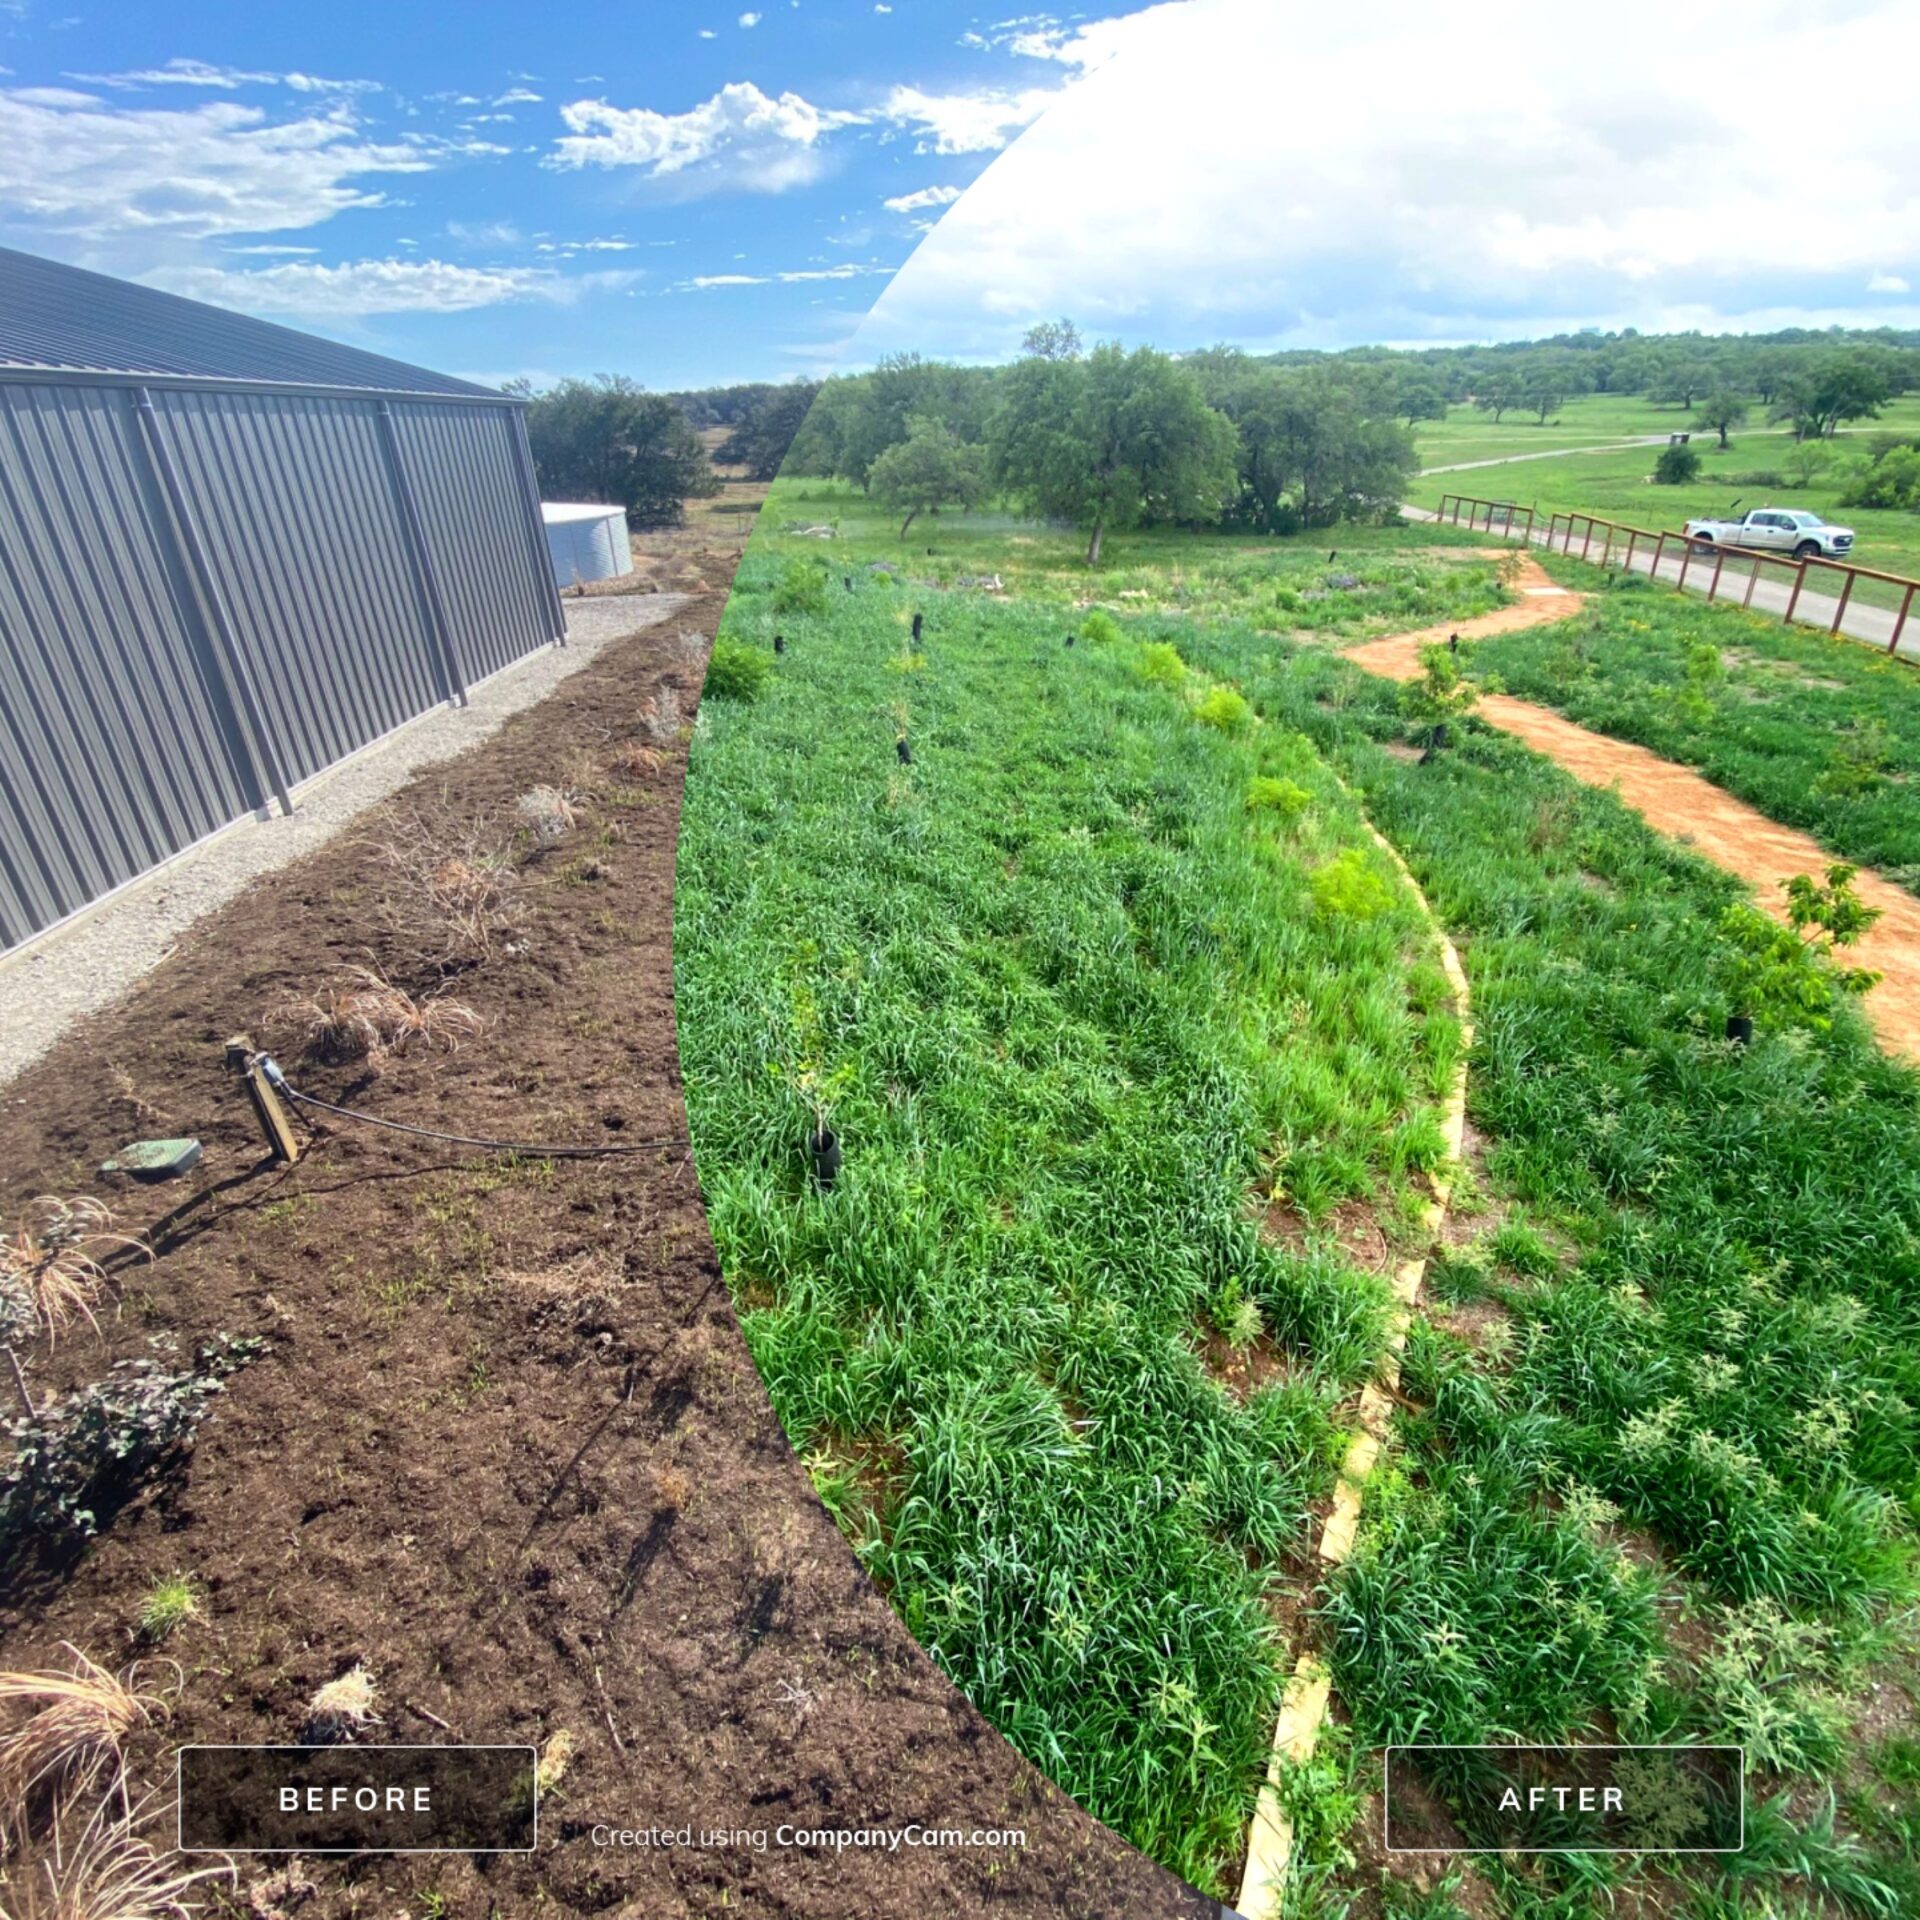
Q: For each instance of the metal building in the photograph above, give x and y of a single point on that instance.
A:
(231, 554)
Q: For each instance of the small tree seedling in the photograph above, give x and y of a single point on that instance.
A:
(1440, 695)
(1781, 973)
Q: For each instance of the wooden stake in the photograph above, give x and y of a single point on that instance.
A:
(275, 1127)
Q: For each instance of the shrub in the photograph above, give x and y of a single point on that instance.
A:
(1351, 886)
(97, 1442)
(737, 671)
(1100, 627)
(1161, 665)
(1677, 466)
(1288, 798)
(1224, 709)
(802, 589)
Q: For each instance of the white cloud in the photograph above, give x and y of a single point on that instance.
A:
(966, 122)
(740, 138)
(357, 288)
(707, 33)
(204, 73)
(517, 96)
(704, 280)
(1284, 174)
(750, 19)
(881, 7)
(926, 197)
(1878, 282)
(73, 164)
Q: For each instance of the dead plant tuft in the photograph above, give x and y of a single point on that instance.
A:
(662, 716)
(73, 1737)
(342, 1709)
(364, 1016)
(547, 814)
(51, 1265)
(453, 896)
(106, 1870)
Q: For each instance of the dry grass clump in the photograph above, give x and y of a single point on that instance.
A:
(453, 895)
(662, 716)
(73, 1737)
(547, 814)
(632, 761)
(555, 1758)
(51, 1271)
(342, 1708)
(102, 1868)
(363, 1016)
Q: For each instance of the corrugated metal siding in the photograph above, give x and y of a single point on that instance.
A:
(296, 506)
(479, 529)
(112, 755)
(54, 315)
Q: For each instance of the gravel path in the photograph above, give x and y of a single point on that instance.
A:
(93, 959)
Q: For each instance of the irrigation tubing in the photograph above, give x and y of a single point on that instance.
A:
(534, 1150)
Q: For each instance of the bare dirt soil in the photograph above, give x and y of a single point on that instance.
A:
(1675, 800)
(504, 1443)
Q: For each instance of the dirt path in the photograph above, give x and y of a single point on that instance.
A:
(1679, 802)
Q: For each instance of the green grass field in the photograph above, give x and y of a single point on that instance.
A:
(1080, 1010)
(1072, 985)
(1614, 484)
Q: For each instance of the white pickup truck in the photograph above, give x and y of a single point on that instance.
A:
(1776, 530)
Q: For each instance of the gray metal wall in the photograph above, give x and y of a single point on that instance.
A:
(204, 606)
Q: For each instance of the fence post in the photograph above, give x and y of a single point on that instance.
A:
(229, 664)
(1719, 561)
(1793, 599)
(1846, 594)
(1586, 545)
(1900, 621)
(1686, 558)
(1753, 575)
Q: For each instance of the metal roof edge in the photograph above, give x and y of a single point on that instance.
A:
(22, 374)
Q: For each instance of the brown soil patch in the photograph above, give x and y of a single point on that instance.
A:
(506, 1444)
(1541, 599)
(1353, 1226)
(1243, 1371)
(1677, 801)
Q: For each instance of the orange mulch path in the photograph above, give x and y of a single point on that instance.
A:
(1677, 801)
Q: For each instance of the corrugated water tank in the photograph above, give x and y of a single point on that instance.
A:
(587, 541)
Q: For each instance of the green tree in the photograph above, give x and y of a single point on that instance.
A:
(1677, 466)
(930, 469)
(1722, 410)
(1111, 440)
(1824, 396)
(765, 432)
(1498, 393)
(1418, 396)
(610, 440)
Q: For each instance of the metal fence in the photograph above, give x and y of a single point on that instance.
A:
(1485, 516)
(1851, 602)
(211, 591)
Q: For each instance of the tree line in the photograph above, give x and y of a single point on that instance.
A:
(1110, 437)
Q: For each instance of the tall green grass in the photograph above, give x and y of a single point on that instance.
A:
(1818, 733)
(1065, 990)
(1704, 1371)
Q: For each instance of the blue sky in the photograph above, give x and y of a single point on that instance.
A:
(690, 193)
(686, 193)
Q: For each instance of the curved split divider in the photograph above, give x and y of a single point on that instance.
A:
(1303, 1707)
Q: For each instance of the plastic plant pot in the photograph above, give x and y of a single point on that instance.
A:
(779, 643)
(917, 619)
(823, 1149)
(1740, 1028)
(904, 751)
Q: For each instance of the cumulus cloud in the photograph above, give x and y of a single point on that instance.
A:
(357, 288)
(1394, 200)
(74, 164)
(980, 122)
(926, 197)
(1878, 282)
(739, 138)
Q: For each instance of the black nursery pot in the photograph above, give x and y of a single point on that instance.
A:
(917, 618)
(1740, 1028)
(823, 1149)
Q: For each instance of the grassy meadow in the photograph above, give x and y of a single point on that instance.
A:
(1120, 1018)
(1614, 484)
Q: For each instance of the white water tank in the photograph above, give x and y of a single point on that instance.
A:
(587, 541)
